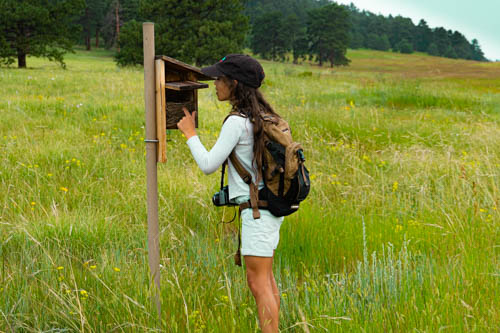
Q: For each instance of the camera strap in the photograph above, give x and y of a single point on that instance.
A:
(222, 175)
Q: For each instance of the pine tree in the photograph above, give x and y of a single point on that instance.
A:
(405, 46)
(384, 43)
(296, 32)
(92, 20)
(477, 53)
(328, 31)
(40, 28)
(450, 53)
(461, 46)
(198, 32)
(423, 36)
(401, 29)
(441, 39)
(433, 50)
(269, 37)
(356, 40)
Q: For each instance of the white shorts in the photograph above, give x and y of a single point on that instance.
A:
(259, 237)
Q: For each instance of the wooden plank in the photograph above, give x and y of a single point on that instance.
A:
(195, 98)
(185, 85)
(181, 66)
(161, 126)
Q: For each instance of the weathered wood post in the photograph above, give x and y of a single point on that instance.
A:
(151, 156)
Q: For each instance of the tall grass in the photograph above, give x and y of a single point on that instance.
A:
(400, 232)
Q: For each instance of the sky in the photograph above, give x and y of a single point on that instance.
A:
(478, 19)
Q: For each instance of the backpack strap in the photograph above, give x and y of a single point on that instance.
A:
(247, 178)
(234, 113)
(244, 174)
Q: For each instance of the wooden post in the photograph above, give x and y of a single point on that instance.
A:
(151, 170)
(161, 118)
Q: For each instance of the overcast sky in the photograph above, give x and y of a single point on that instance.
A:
(478, 19)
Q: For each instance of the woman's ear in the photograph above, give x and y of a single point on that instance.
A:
(235, 82)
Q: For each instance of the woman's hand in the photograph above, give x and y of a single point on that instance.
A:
(187, 124)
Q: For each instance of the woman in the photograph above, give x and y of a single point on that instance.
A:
(238, 78)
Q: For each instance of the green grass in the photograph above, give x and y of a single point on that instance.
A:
(400, 232)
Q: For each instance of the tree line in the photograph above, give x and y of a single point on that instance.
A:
(399, 34)
(202, 32)
(285, 28)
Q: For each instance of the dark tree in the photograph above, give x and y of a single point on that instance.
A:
(117, 13)
(423, 36)
(328, 31)
(297, 34)
(477, 53)
(92, 19)
(198, 32)
(356, 40)
(441, 39)
(269, 36)
(461, 46)
(405, 46)
(130, 44)
(401, 29)
(450, 53)
(433, 50)
(41, 28)
(257, 8)
(377, 42)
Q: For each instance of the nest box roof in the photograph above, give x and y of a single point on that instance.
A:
(178, 66)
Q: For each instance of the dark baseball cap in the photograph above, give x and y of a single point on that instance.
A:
(239, 67)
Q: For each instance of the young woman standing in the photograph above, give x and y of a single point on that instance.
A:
(238, 78)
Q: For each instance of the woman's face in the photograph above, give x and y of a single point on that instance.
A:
(222, 89)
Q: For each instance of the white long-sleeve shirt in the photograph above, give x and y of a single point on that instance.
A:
(236, 134)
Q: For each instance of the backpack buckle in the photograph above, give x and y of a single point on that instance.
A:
(300, 153)
(247, 179)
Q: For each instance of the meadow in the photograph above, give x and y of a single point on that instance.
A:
(401, 231)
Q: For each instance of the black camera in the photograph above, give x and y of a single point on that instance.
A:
(221, 198)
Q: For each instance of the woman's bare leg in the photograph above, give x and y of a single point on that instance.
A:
(259, 272)
(276, 291)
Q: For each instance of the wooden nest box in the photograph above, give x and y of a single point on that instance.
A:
(176, 88)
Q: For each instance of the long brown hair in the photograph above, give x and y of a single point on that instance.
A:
(250, 102)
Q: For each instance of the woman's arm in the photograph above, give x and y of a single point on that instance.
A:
(210, 161)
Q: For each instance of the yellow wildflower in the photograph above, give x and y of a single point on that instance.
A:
(395, 186)
(116, 269)
(63, 189)
(59, 268)
(33, 203)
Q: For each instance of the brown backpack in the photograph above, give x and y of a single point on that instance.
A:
(286, 179)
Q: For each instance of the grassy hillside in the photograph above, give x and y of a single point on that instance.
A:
(400, 232)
